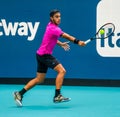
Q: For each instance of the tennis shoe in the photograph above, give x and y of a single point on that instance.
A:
(18, 99)
(60, 99)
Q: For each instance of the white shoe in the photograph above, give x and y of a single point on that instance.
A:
(18, 99)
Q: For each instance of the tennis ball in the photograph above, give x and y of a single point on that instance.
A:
(102, 31)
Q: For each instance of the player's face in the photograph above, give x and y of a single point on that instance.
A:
(56, 18)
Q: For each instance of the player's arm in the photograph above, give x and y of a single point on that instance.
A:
(73, 39)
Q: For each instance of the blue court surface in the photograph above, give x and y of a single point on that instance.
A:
(86, 102)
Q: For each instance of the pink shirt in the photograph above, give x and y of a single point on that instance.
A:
(51, 35)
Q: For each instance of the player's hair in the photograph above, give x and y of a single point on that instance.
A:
(54, 12)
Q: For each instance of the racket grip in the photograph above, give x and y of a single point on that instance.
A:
(86, 42)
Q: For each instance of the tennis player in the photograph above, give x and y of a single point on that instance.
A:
(45, 59)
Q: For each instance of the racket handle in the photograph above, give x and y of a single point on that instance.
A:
(86, 42)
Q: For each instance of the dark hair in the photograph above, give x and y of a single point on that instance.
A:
(54, 12)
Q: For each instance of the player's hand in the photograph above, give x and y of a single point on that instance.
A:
(65, 46)
(81, 43)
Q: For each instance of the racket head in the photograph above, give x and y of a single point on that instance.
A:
(108, 28)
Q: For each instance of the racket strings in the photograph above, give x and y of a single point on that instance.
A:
(108, 31)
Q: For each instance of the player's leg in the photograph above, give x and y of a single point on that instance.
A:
(18, 95)
(59, 81)
(60, 76)
(39, 79)
(41, 72)
(53, 63)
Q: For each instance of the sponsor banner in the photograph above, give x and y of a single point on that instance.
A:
(22, 25)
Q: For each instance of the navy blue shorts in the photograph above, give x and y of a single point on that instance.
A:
(46, 61)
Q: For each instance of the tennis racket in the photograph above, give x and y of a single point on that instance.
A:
(107, 30)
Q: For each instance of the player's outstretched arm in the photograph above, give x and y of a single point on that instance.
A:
(73, 39)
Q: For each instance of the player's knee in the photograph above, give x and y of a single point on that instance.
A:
(62, 71)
